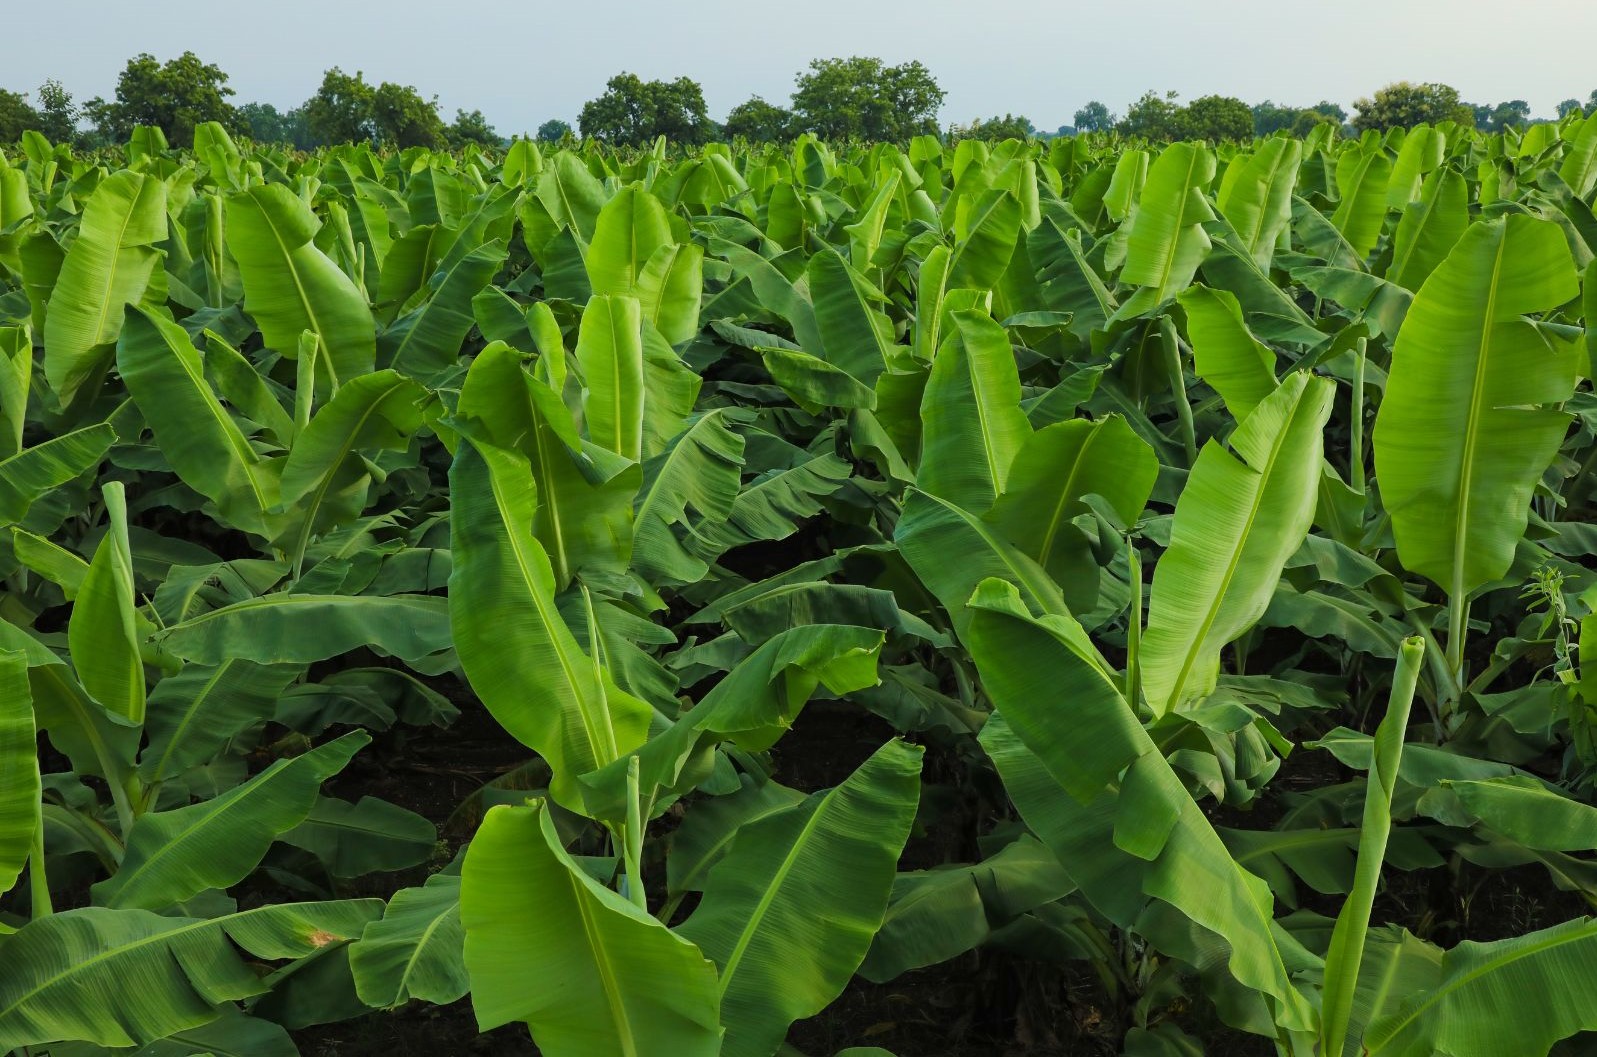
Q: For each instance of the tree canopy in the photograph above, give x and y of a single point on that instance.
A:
(1094, 117)
(862, 98)
(1405, 104)
(633, 111)
(174, 96)
(554, 130)
(755, 119)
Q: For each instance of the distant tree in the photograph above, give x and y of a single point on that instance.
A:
(759, 121)
(994, 129)
(1156, 118)
(1567, 107)
(341, 109)
(17, 116)
(1591, 100)
(553, 131)
(633, 111)
(1329, 111)
(860, 98)
(1269, 117)
(471, 128)
(174, 96)
(266, 124)
(1094, 117)
(1515, 113)
(1216, 117)
(402, 118)
(1405, 104)
(58, 115)
(1482, 114)
(1067, 130)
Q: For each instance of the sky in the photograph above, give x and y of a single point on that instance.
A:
(523, 63)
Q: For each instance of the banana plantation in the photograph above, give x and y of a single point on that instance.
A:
(1081, 597)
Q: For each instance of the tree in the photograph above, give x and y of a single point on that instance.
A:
(58, 115)
(472, 128)
(174, 96)
(1405, 104)
(341, 109)
(1567, 107)
(1154, 117)
(759, 121)
(1513, 114)
(862, 99)
(1269, 117)
(402, 118)
(1094, 117)
(266, 124)
(994, 129)
(1216, 117)
(16, 116)
(554, 130)
(632, 112)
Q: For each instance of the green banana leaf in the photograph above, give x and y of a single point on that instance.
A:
(175, 855)
(417, 950)
(789, 911)
(188, 969)
(1117, 816)
(302, 629)
(1238, 520)
(1513, 996)
(103, 631)
(700, 471)
(204, 446)
(290, 286)
(517, 652)
(972, 424)
(1165, 239)
(584, 968)
(1257, 201)
(610, 353)
(1470, 417)
(19, 770)
(192, 715)
(109, 265)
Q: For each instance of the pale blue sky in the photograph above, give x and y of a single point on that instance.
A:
(524, 62)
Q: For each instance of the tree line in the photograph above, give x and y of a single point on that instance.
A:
(858, 98)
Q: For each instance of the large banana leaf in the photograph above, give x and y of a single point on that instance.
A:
(103, 631)
(1225, 353)
(19, 769)
(187, 969)
(426, 341)
(700, 472)
(521, 658)
(34, 472)
(191, 715)
(610, 353)
(1258, 200)
(1513, 996)
(855, 336)
(1117, 816)
(108, 266)
(1361, 180)
(174, 855)
(587, 971)
(1055, 470)
(301, 629)
(417, 950)
(1429, 228)
(627, 232)
(788, 913)
(583, 512)
(1239, 518)
(1165, 241)
(972, 424)
(324, 479)
(290, 286)
(204, 446)
(1471, 418)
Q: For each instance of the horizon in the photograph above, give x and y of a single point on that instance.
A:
(984, 73)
